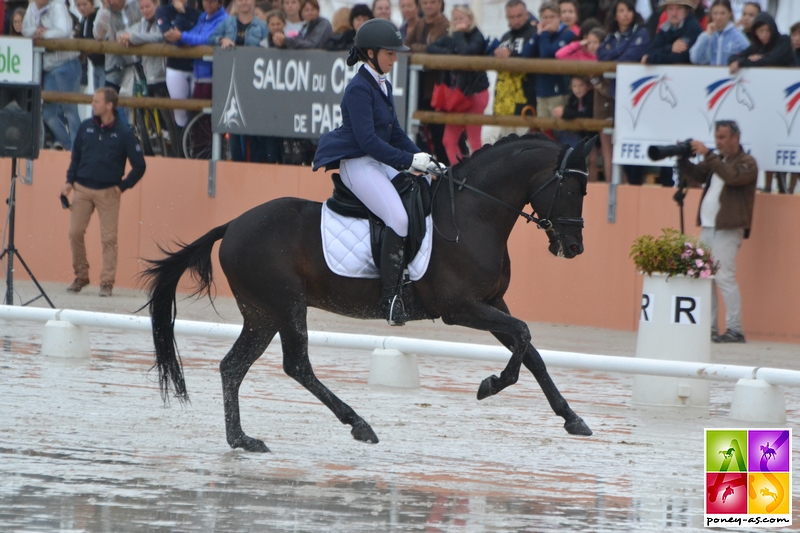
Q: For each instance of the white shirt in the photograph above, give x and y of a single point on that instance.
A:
(380, 78)
(710, 206)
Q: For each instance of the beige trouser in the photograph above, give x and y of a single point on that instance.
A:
(84, 202)
(546, 105)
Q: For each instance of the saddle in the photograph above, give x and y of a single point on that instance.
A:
(415, 193)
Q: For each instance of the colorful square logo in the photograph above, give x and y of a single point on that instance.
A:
(748, 478)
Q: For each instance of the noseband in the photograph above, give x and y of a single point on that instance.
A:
(545, 223)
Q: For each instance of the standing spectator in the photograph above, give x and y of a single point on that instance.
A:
(315, 32)
(768, 49)
(514, 92)
(671, 46)
(294, 22)
(110, 22)
(263, 7)
(183, 16)
(245, 29)
(465, 39)
(579, 105)
(16, 22)
(568, 12)
(143, 32)
(409, 9)
(721, 38)
(359, 14)
(49, 19)
(213, 15)
(340, 21)
(749, 12)
(276, 22)
(430, 28)
(551, 89)
(794, 35)
(725, 215)
(85, 30)
(382, 9)
(627, 42)
(102, 147)
(585, 49)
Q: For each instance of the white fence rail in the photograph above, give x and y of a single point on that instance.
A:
(422, 347)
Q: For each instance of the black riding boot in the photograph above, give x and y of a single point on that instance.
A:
(392, 265)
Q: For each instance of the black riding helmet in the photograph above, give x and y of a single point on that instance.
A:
(373, 35)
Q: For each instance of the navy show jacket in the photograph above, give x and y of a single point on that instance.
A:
(369, 127)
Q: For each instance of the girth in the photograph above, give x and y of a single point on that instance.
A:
(415, 193)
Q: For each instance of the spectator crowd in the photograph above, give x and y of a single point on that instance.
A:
(733, 33)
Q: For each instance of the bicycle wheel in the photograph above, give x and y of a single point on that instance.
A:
(152, 125)
(140, 130)
(198, 137)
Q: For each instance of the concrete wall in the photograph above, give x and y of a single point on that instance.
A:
(599, 288)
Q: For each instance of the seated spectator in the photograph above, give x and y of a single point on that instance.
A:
(568, 13)
(315, 32)
(382, 9)
(276, 22)
(294, 22)
(213, 15)
(359, 14)
(85, 30)
(749, 12)
(676, 36)
(585, 49)
(551, 89)
(49, 19)
(514, 92)
(465, 39)
(626, 42)
(16, 22)
(721, 38)
(179, 72)
(409, 9)
(769, 48)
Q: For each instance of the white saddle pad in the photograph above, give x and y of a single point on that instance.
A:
(347, 249)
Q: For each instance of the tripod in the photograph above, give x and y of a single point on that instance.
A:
(11, 250)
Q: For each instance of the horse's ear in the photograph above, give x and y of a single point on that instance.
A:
(576, 158)
(587, 149)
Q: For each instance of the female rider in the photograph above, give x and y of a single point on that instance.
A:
(370, 148)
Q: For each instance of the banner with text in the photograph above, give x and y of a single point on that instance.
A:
(661, 105)
(287, 93)
(16, 60)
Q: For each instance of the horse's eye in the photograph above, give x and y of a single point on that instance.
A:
(570, 194)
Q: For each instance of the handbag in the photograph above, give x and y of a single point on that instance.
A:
(449, 99)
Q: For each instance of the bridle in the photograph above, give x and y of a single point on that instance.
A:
(545, 223)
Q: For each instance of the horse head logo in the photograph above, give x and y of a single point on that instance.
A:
(232, 115)
(792, 105)
(717, 92)
(641, 89)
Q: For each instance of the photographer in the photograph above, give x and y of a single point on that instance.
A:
(726, 212)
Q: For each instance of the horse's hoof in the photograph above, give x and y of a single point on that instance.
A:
(250, 444)
(577, 427)
(363, 432)
(485, 390)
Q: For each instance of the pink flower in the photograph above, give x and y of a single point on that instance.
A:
(690, 272)
(698, 262)
(705, 274)
(686, 254)
(700, 252)
(689, 245)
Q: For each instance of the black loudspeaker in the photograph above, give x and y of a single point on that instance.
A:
(20, 120)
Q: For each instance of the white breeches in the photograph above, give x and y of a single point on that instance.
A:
(179, 85)
(370, 181)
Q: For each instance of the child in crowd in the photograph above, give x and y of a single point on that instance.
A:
(276, 23)
(794, 35)
(551, 89)
(579, 105)
(583, 50)
(294, 22)
(16, 22)
(568, 12)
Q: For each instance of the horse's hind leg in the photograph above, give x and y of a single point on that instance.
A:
(533, 362)
(250, 345)
(294, 338)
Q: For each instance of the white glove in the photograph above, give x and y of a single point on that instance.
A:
(435, 167)
(421, 162)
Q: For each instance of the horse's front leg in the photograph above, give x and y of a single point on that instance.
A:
(533, 361)
(515, 336)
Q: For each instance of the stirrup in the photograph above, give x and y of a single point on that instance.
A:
(394, 311)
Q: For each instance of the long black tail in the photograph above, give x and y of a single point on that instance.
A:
(161, 282)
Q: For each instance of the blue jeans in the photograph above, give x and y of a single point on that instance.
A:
(65, 78)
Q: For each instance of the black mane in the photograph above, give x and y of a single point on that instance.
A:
(513, 137)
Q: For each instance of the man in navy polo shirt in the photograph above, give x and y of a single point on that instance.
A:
(101, 148)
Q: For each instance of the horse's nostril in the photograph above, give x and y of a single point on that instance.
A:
(577, 248)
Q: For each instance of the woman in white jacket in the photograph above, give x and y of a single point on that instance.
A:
(49, 19)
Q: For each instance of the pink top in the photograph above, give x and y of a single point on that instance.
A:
(575, 52)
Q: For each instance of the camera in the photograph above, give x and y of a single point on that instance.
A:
(682, 150)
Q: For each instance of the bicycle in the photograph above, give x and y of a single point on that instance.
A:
(198, 138)
(157, 135)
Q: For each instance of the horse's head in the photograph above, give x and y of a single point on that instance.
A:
(559, 201)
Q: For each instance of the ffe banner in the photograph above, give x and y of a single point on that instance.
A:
(661, 105)
(286, 93)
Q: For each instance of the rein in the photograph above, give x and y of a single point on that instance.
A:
(545, 223)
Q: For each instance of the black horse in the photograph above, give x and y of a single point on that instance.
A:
(273, 259)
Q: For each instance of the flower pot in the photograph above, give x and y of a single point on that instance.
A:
(674, 324)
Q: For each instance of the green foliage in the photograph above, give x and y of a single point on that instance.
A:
(673, 253)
